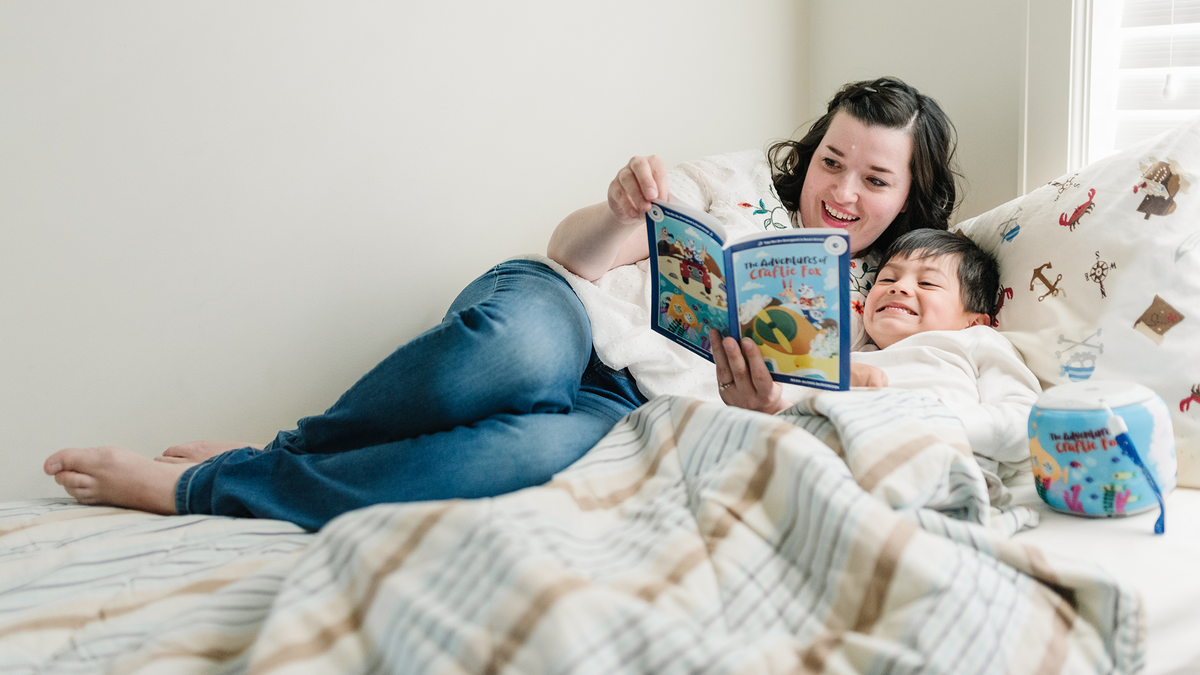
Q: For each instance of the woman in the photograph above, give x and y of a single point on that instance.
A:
(511, 387)
(878, 164)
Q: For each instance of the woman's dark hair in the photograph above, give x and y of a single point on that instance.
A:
(885, 102)
(978, 271)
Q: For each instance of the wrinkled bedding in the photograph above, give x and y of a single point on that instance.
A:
(850, 534)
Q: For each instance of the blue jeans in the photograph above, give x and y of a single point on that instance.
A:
(501, 395)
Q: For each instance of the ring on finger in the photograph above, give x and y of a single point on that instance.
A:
(723, 387)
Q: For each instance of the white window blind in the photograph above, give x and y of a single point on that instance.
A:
(1155, 38)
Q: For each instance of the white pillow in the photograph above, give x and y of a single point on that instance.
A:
(1101, 276)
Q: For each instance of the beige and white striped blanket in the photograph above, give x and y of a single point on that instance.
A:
(695, 538)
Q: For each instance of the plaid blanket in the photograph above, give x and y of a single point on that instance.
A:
(693, 538)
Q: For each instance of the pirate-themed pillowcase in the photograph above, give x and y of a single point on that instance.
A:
(1100, 272)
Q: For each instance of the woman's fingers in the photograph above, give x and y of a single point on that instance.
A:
(651, 175)
(638, 182)
(624, 198)
(660, 177)
(737, 364)
(633, 190)
(724, 374)
(742, 367)
(862, 375)
(736, 388)
(760, 375)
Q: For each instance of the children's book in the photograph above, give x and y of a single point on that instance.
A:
(788, 290)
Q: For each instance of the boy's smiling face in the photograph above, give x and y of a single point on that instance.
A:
(913, 295)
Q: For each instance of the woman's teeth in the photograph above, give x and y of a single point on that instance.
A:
(844, 217)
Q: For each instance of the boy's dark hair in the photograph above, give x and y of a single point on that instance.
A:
(890, 103)
(978, 271)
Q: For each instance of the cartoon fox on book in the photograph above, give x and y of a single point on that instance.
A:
(786, 334)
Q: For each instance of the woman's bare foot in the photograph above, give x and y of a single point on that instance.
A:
(199, 451)
(116, 477)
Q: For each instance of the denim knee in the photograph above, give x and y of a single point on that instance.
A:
(534, 328)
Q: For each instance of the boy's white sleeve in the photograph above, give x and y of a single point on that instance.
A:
(997, 426)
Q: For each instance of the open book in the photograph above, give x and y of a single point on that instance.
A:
(788, 290)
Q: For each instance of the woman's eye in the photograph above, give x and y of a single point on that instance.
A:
(877, 183)
(829, 162)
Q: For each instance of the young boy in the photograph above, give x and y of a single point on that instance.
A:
(929, 315)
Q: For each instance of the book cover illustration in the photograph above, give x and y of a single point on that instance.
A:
(690, 280)
(788, 291)
(791, 298)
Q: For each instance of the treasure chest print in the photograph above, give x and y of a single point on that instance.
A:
(1077, 361)
(1160, 183)
(1158, 318)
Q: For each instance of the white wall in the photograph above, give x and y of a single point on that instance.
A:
(1047, 148)
(966, 54)
(216, 216)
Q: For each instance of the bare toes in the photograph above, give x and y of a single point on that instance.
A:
(117, 477)
(53, 463)
(80, 486)
(73, 480)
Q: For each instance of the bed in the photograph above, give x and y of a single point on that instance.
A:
(1161, 568)
(694, 537)
(851, 533)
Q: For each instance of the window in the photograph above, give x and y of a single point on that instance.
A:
(1131, 50)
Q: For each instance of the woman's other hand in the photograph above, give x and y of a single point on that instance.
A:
(597, 238)
(636, 184)
(862, 375)
(742, 375)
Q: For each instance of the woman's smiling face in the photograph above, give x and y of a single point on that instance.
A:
(858, 179)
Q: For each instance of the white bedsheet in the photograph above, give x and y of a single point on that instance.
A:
(694, 538)
(1165, 568)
